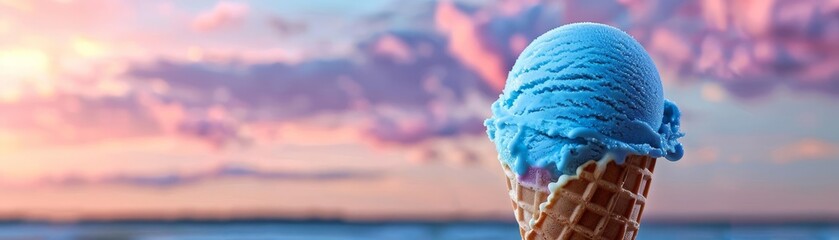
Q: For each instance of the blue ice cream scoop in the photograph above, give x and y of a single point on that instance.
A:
(580, 92)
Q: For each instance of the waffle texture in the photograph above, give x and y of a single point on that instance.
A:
(604, 201)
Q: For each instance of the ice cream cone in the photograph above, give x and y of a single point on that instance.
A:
(604, 201)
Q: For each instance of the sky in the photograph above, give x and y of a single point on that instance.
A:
(374, 109)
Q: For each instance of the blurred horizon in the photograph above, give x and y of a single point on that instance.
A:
(318, 217)
(373, 110)
(384, 230)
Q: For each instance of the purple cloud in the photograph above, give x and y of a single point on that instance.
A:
(228, 171)
(374, 78)
(749, 47)
(216, 133)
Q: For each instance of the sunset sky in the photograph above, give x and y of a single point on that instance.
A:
(375, 108)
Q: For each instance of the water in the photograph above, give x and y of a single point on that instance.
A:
(385, 231)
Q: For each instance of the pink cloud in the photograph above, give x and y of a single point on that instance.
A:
(517, 43)
(69, 119)
(467, 44)
(701, 156)
(806, 149)
(757, 20)
(395, 48)
(514, 7)
(224, 14)
(715, 13)
(669, 45)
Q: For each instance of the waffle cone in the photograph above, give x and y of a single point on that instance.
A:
(604, 201)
